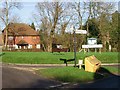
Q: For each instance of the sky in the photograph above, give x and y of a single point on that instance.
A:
(26, 12)
(28, 9)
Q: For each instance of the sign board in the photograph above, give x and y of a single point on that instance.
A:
(80, 62)
(80, 31)
(92, 46)
(92, 41)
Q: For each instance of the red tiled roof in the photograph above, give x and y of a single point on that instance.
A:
(20, 29)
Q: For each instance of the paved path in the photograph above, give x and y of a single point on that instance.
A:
(14, 78)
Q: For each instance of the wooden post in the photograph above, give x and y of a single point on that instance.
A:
(84, 51)
(100, 50)
(80, 63)
(95, 50)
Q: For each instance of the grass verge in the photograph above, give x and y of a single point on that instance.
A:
(71, 74)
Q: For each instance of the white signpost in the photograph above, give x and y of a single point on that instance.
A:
(92, 46)
(80, 31)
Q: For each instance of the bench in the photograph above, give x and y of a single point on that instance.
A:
(60, 50)
(67, 60)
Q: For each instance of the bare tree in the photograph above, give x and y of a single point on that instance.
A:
(5, 15)
(51, 14)
(15, 19)
(79, 9)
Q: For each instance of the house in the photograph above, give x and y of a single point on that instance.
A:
(22, 36)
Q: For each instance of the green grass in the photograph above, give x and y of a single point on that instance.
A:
(67, 74)
(53, 58)
(111, 69)
(71, 74)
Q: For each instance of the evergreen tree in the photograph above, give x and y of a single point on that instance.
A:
(93, 28)
(33, 26)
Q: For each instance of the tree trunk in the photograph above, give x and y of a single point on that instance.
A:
(49, 48)
(3, 43)
(6, 39)
(49, 44)
(104, 42)
(81, 23)
(6, 24)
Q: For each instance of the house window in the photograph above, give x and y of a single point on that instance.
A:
(34, 37)
(10, 38)
(22, 37)
(38, 46)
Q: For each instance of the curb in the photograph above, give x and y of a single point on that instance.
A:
(50, 65)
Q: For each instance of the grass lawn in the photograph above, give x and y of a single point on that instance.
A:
(71, 74)
(54, 58)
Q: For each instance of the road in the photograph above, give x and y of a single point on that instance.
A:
(15, 78)
(112, 82)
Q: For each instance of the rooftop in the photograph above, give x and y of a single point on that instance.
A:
(20, 29)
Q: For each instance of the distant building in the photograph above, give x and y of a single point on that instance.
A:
(22, 36)
(57, 47)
